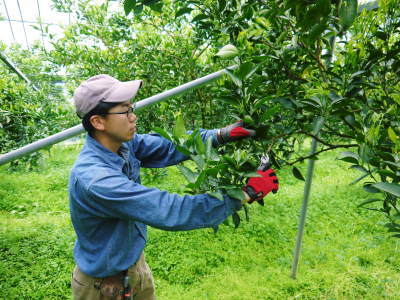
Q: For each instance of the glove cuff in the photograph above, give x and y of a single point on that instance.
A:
(252, 193)
(220, 135)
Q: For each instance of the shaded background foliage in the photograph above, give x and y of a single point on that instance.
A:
(156, 50)
(27, 115)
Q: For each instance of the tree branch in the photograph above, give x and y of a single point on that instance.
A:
(333, 132)
(318, 152)
(317, 139)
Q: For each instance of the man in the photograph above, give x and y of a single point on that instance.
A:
(110, 208)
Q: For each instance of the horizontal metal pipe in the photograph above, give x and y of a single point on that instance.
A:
(78, 129)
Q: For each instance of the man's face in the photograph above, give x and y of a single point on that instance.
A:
(120, 127)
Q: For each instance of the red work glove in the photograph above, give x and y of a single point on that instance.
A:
(258, 187)
(234, 132)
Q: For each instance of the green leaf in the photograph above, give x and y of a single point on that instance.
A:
(382, 35)
(285, 102)
(138, 9)
(392, 135)
(246, 70)
(209, 147)
(358, 179)
(163, 133)
(183, 11)
(356, 74)
(252, 174)
(183, 150)
(236, 219)
(200, 147)
(179, 129)
(229, 160)
(248, 120)
(229, 100)
(359, 168)
(128, 6)
(213, 171)
(236, 80)
(387, 173)
(200, 178)
(351, 120)
(347, 12)
(216, 195)
(318, 123)
(316, 30)
(149, 2)
(199, 160)
(221, 5)
(236, 194)
(228, 51)
(370, 189)
(388, 187)
(396, 165)
(392, 225)
(296, 173)
(156, 6)
(349, 156)
(369, 201)
(188, 174)
(226, 222)
(268, 114)
(199, 17)
(215, 229)
(365, 153)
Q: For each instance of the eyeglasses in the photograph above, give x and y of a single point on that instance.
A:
(128, 113)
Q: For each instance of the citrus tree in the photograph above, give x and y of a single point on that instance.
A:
(292, 75)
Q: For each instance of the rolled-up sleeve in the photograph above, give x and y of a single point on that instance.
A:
(118, 197)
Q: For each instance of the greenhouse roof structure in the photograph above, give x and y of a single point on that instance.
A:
(26, 21)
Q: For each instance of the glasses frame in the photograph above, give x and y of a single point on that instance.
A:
(130, 111)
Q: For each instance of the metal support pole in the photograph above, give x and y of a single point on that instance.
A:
(23, 25)
(9, 21)
(66, 134)
(16, 70)
(302, 221)
(310, 172)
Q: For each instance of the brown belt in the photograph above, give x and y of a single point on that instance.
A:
(111, 287)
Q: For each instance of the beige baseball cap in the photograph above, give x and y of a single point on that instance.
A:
(103, 88)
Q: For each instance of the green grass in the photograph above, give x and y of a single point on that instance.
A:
(346, 253)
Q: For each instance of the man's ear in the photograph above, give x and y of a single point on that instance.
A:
(97, 122)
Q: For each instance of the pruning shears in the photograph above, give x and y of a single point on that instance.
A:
(265, 164)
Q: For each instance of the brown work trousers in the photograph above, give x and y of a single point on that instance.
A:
(85, 287)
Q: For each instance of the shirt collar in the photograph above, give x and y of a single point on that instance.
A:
(109, 156)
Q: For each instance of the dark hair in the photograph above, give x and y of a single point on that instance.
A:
(101, 109)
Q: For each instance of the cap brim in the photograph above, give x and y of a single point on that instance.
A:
(124, 91)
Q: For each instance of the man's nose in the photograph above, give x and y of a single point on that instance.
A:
(132, 117)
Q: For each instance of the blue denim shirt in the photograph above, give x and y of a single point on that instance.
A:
(110, 208)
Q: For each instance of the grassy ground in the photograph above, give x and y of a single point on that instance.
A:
(346, 251)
